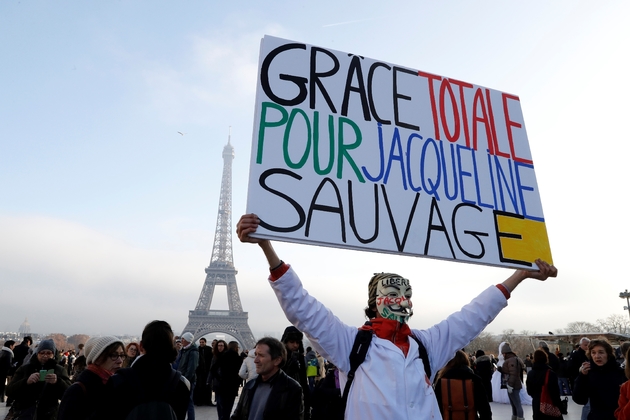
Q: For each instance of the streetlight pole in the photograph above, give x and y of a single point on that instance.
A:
(626, 295)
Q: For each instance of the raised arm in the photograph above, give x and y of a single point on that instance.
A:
(248, 223)
(543, 273)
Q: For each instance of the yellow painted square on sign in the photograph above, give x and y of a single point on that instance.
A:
(533, 243)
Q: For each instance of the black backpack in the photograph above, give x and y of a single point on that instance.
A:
(359, 351)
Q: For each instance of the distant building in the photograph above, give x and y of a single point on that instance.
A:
(25, 328)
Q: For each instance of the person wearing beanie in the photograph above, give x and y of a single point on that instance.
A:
(104, 356)
(512, 369)
(188, 363)
(38, 386)
(392, 381)
(295, 366)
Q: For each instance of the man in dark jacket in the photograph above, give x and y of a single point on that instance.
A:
(273, 395)
(38, 385)
(295, 365)
(202, 390)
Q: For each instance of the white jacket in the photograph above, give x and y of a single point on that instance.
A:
(387, 385)
(248, 368)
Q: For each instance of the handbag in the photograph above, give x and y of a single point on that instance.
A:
(564, 406)
(546, 405)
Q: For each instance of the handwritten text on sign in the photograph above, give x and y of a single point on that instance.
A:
(356, 153)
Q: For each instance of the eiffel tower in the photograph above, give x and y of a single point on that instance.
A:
(203, 320)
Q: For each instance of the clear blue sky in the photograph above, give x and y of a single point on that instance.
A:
(107, 214)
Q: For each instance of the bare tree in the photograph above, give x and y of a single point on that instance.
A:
(615, 323)
(76, 339)
(581, 327)
(484, 341)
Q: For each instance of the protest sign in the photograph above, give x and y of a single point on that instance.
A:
(358, 153)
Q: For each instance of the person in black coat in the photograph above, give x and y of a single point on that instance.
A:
(484, 367)
(295, 365)
(105, 356)
(599, 381)
(6, 360)
(459, 368)
(151, 378)
(38, 385)
(535, 381)
(225, 378)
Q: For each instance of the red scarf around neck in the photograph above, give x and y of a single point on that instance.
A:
(393, 331)
(102, 373)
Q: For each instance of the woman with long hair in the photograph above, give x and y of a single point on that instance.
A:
(539, 376)
(458, 368)
(599, 381)
(104, 356)
(225, 378)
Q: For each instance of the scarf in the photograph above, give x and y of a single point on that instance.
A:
(394, 331)
(102, 373)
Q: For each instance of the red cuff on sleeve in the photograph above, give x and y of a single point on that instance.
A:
(503, 290)
(279, 271)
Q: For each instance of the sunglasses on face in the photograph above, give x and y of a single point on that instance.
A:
(115, 356)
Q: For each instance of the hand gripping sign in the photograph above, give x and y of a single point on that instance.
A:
(357, 153)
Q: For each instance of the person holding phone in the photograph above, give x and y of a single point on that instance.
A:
(38, 386)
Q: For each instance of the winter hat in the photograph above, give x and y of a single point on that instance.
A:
(292, 334)
(506, 348)
(95, 346)
(543, 345)
(373, 284)
(188, 337)
(46, 345)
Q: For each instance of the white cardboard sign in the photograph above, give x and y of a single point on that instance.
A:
(357, 153)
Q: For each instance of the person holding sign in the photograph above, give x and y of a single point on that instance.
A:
(391, 382)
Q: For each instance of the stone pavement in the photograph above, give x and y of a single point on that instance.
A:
(499, 412)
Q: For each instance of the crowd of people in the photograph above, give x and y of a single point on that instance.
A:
(382, 369)
(109, 380)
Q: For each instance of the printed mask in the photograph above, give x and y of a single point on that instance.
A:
(393, 299)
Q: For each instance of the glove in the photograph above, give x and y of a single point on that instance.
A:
(510, 389)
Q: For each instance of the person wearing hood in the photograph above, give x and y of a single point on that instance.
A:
(104, 356)
(6, 360)
(248, 368)
(484, 368)
(599, 381)
(513, 367)
(295, 366)
(391, 382)
(38, 385)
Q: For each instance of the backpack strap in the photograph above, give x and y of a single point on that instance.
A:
(424, 356)
(357, 356)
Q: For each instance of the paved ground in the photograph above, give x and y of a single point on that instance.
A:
(499, 412)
